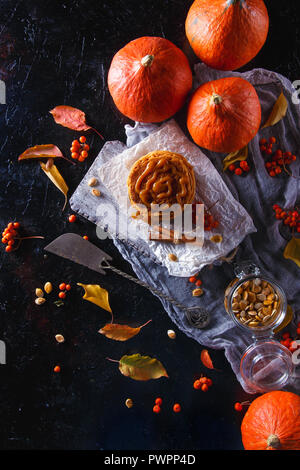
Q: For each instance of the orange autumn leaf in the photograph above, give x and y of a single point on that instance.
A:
(41, 151)
(72, 118)
(120, 332)
(206, 359)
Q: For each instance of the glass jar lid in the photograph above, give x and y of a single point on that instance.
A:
(266, 365)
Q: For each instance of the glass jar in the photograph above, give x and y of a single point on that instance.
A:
(258, 305)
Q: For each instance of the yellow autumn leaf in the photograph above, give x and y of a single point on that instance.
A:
(292, 251)
(143, 368)
(97, 295)
(278, 112)
(233, 157)
(120, 332)
(56, 178)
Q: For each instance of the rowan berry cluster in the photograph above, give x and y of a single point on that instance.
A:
(195, 280)
(239, 170)
(204, 383)
(290, 343)
(290, 218)
(278, 160)
(80, 149)
(64, 288)
(10, 235)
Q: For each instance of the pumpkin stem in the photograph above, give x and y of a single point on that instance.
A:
(216, 99)
(273, 441)
(147, 60)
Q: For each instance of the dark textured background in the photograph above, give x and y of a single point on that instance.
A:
(51, 53)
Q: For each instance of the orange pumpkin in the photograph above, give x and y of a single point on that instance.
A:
(224, 115)
(149, 79)
(226, 34)
(272, 422)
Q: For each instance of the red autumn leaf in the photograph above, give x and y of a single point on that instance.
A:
(41, 151)
(72, 118)
(206, 359)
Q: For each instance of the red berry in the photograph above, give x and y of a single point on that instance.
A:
(72, 218)
(62, 286)
(156, 409)
(286, 335)
(158, 401)
(272, 173)
(176, 408)
(84, 154)
(75, 155)
(238, 406)
(62, 295)
(263, 141)
(238, 171)
(16, 224)
(192, 279)
(68, 287)
(269, 151)
(82, 139)
(8, 248)
(231, 167)
(263, 148)
(56, 369)
(204, 388)
(85, 237)
(198, 283)
(197, 385)
(272, 140)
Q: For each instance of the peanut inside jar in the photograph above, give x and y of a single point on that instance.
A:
(255, 303)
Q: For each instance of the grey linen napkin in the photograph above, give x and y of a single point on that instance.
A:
(257, 192)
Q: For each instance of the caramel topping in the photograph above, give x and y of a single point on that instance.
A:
(162, 177)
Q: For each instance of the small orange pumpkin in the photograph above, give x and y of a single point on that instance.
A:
(272, 422)
(226, 34)
(224, 115)
(149, 79)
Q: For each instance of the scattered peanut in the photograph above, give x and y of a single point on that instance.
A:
(172, 257)
(39, 292)
(59, 338)
(40, 300)
(171, 334)
(129, 403)
(92, 182)
(197, 292)
(255, 303)
(96, 192)
(48, 287)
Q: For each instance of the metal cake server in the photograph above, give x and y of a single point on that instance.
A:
(73, 247)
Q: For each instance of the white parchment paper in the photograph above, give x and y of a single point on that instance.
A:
(235, 222)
